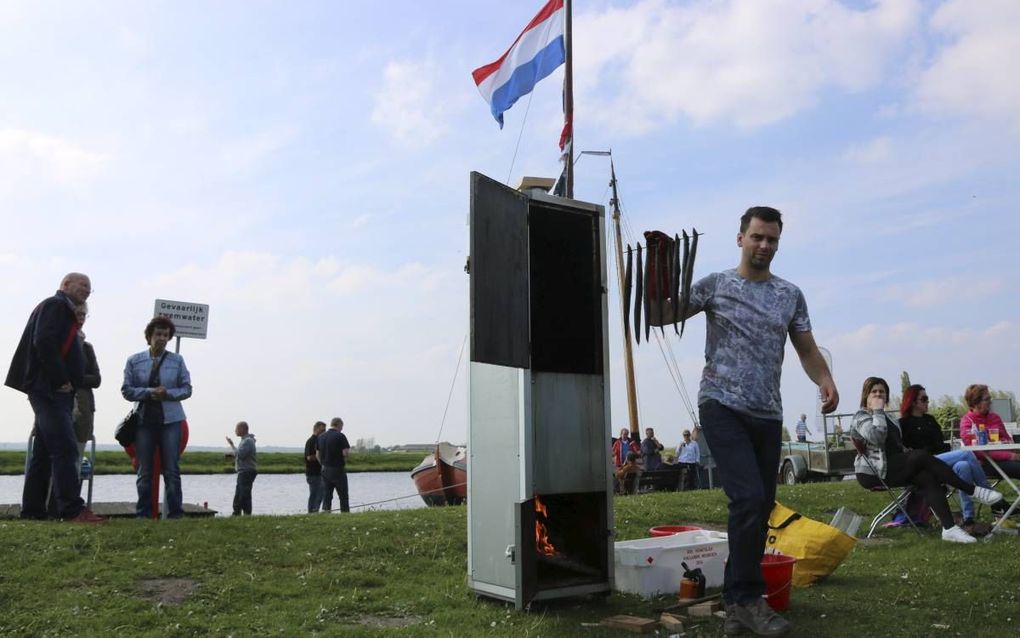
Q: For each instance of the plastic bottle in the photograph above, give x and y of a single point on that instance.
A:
(982, 435)
(86, 469)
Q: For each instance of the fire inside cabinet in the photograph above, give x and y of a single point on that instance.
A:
(540, 516)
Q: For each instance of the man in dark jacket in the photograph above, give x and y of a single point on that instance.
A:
(332, 453)
(48, 365)
(313, 469)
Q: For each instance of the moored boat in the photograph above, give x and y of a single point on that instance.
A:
(441, 477)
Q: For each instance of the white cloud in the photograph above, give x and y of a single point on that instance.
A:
(975, 74)
(408, 107)
(871, 152)
(26, 154)
(747, 62)
(935, 292)
(246, 153)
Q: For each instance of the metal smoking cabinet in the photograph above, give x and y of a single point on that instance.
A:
(540, 514)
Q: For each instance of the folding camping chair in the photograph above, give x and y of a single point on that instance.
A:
(899, 500)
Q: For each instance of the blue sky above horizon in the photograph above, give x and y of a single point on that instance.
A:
(303, 169)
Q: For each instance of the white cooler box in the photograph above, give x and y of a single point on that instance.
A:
(652, 566)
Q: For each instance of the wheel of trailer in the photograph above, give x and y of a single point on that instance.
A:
(789, 474)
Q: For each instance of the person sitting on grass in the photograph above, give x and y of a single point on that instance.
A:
(885, 454)
(628, 474)
(922, 432)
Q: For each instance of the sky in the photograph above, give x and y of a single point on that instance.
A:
(303, 168)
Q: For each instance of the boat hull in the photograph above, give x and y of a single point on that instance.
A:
(440, 482)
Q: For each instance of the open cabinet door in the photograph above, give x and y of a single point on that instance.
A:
(499, 274)
(526, 559)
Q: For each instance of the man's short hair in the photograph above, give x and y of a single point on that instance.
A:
(319, 425)
(687, 432)
(70, 277)
(159, 322)
(243, 425)
(336, 422)
(765, 213)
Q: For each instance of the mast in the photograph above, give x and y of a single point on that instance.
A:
(628, 355)
(568, 95)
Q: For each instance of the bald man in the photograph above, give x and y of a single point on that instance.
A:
(48, 365)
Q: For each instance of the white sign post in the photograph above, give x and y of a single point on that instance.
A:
(190, 319)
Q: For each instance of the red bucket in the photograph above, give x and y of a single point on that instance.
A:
(777, 570)
(669, 530)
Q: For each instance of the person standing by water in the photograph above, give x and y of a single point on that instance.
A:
(749, 314)
(158, 380)
(332, 453)
(246, 467)
(84, 400)
(48, 365)
(313, 469)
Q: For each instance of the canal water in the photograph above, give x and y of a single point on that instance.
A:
(272, 493)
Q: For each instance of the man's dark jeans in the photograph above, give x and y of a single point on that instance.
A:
(242, 492)
(314, 493)
(334, 478)
(746, 452)
(54, 453)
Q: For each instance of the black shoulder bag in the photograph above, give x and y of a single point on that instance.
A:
(127, 430)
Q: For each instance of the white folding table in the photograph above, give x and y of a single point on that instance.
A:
(998, 447)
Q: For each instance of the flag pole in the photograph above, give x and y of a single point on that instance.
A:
(568, 93)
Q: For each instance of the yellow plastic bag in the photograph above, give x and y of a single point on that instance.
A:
(818, 548)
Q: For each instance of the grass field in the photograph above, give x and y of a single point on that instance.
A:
(402, 573)
(12, 462)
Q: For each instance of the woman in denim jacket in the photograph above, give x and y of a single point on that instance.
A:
(159, 394)
(897, 466)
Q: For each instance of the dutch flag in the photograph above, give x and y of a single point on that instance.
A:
(536, 53)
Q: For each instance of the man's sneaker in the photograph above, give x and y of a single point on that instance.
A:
(986, 496)
(756, 617)
(955, 534)
(86, 516)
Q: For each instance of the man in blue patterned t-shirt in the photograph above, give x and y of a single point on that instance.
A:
(749, 313)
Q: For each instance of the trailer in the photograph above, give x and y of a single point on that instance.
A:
(830, 459)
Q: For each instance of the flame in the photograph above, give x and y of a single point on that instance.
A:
(542, 544)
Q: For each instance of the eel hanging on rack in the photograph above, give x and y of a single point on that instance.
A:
(627, 278)
(674, 284)
(685, 299)
(689, 275)
(638, 301)
(649, 283)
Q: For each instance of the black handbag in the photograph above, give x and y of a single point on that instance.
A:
(127, 429)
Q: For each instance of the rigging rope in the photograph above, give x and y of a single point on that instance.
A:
(400, 498)
(452, 385)
(519, 136)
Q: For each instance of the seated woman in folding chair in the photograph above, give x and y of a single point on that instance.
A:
(979, 402)
(922, 432)
(887, 463)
